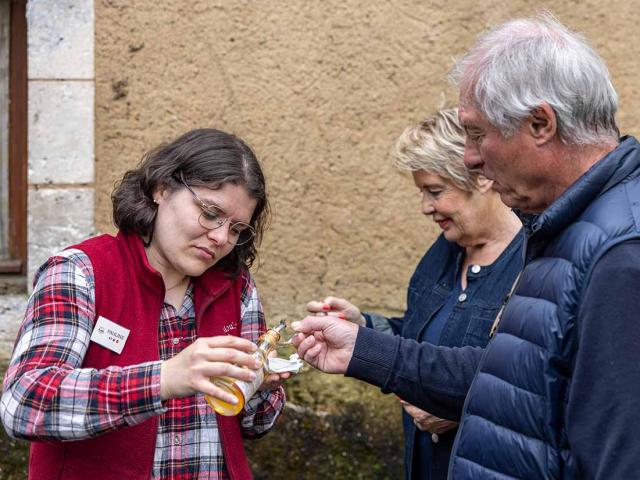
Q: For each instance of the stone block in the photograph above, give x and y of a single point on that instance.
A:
(61, 132)
(57, 218)
(12, 309)
(61, 39)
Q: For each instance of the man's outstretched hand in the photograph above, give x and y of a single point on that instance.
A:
(325, 342)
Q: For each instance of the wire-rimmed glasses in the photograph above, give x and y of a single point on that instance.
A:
(213, 217)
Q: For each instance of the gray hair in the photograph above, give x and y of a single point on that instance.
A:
(522, 63)
(436, 145)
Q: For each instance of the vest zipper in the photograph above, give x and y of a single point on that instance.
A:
(496, 322)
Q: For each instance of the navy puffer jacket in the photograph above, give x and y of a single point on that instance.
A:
(514, 423)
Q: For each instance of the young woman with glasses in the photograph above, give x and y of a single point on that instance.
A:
(122, 334)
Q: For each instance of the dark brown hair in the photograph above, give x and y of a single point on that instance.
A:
(205, 157)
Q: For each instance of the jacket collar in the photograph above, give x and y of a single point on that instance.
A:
(608, 172)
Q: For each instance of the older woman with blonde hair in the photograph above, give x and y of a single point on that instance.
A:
(459, 285)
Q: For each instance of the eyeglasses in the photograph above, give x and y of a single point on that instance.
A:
(213, 217)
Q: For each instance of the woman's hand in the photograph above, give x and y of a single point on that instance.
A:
(274, 380)
(191, 369)
(339, 307)
(426, 422)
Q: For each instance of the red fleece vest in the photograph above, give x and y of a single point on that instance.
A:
(131, 293)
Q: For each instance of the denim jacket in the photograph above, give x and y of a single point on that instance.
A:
(469, 323)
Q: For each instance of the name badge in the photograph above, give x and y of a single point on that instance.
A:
(110, 335)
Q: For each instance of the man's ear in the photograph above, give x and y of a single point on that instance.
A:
(542, 124)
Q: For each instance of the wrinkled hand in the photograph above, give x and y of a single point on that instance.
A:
(427, 422)
(190, 370)
(337, 306)
(325, 342)
(274, 380)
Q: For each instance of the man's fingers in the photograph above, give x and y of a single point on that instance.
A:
(311, 356)
(314, 351)
(297, 339)
(311, 323)
(305, 345)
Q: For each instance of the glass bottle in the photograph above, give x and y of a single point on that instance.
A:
(241, 389)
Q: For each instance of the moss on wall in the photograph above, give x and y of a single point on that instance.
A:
(14, 458)
(345, 431)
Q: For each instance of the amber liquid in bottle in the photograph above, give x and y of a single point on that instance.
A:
(242, 390)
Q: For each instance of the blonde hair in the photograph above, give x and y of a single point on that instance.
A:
(436, 145)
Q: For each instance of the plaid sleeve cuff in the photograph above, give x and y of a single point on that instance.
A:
(140, 387)
(261, 412)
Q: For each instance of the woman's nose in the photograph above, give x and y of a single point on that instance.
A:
(219, 235)
(427, 205)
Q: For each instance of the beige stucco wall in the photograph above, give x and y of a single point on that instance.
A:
(321, 90)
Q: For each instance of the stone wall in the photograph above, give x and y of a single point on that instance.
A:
(60, 139)
(321, 90)
(12, 309)
(61, 125)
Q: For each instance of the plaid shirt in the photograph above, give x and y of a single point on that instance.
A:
(48, 396)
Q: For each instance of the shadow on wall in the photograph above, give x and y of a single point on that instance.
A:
(346, 430)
